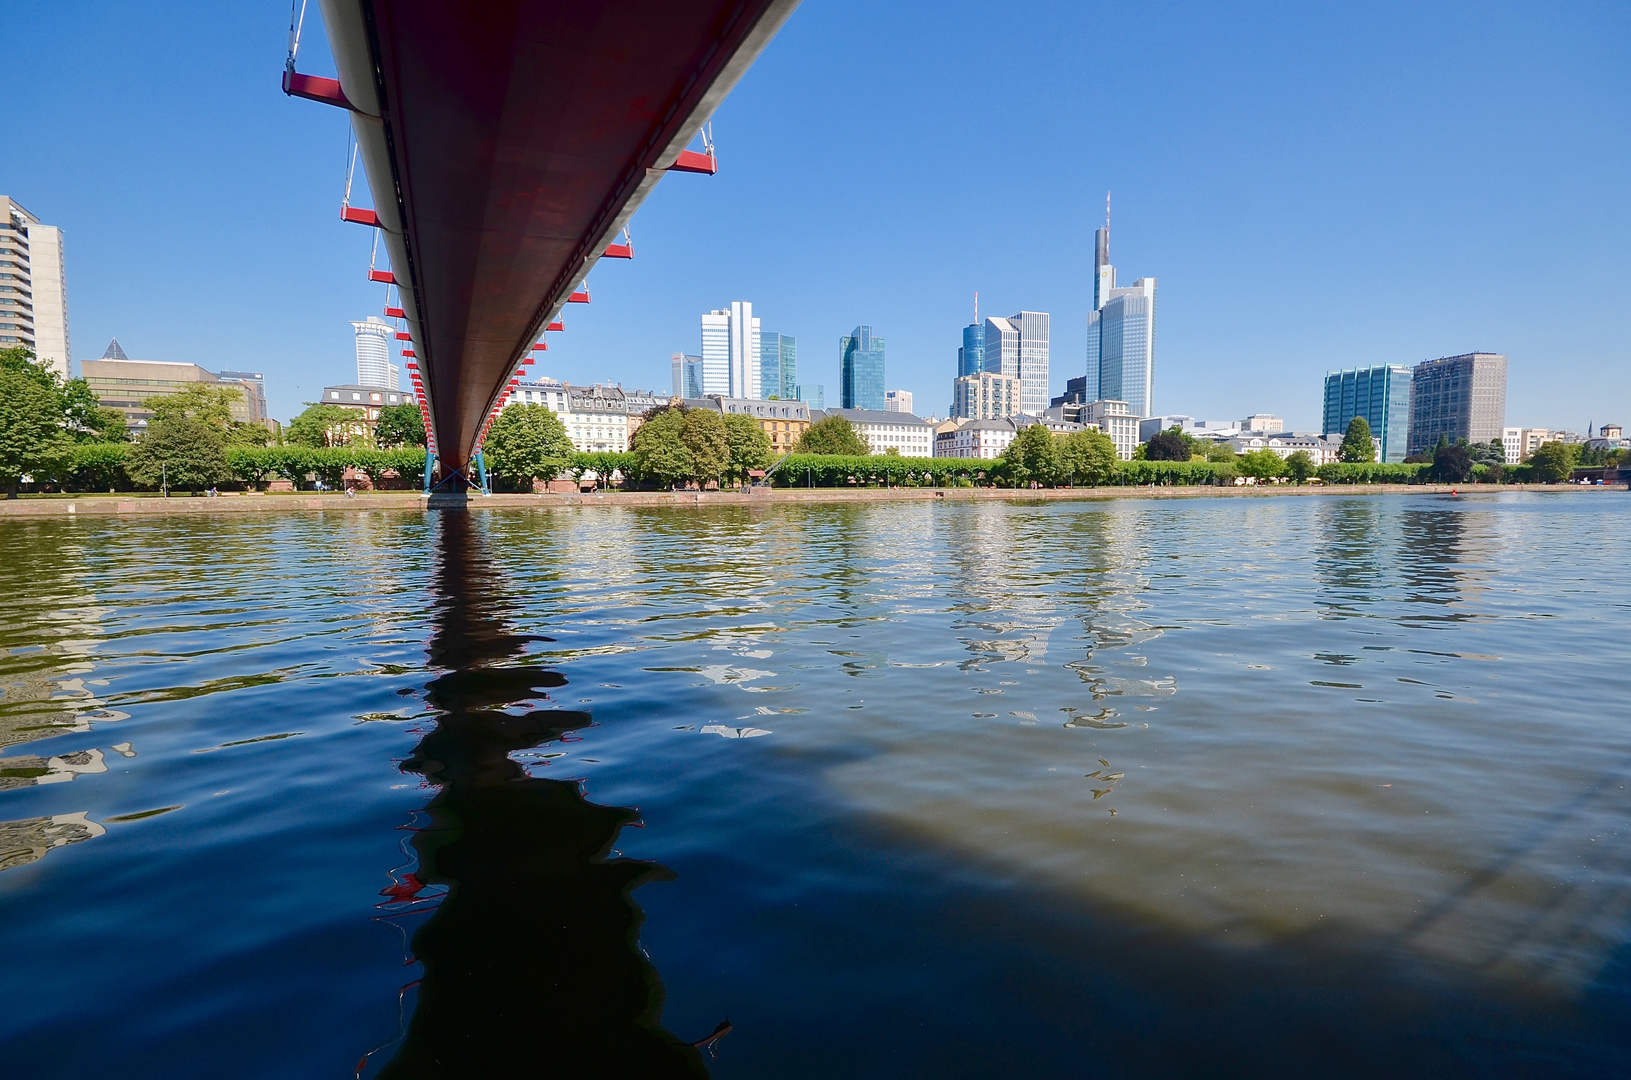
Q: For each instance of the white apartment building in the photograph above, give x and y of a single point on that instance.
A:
(1116, 420)
(897, 401)
(1520, 442)
(987, 439)
(596, 417)
(1324, 451)
(1264, 422)
(905, 433)
(33, 287)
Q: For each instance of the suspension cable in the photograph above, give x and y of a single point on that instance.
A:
(297, 23)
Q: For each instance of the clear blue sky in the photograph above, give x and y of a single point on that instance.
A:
(1314, 186)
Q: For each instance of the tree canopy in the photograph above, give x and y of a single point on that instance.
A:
(1553, 461)
(1357, 444)
(1299, 466)
(1033, 456)
(677, 445)
(33, 420)
(1452, 464)
(527, 443)
(748, 446)
(1168, 445)
(1087, 457)
(399, 425)
(834, 435)
(322, 424)
(180, 452)
(1264, 464)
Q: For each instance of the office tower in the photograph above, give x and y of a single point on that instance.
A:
(1018, 346)
(687, 372)
(253, 383)
(897, 401)
(986, 395)
(778, 365)
(374, 352)
(1120, 334)
(813, 395)
(1033, 327)
(860, 364)
(1457, 397)
(730, 351)
(33, 288)
(971, 357)
(1381, 395)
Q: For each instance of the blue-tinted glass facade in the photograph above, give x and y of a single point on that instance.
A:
(778, 366)
(1381, 395)
(861, 370)
(971, 357)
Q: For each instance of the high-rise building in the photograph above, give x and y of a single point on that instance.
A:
(1120, 335)
(374, 336)
(33, 288)
(1381, 395)
(1033, 327)
(687, 371)
(778, 366)
(860, 367)
(971, 356)
(987, 395)
(897, 401)
(730, 351)
(1457, 397)
(813, 395)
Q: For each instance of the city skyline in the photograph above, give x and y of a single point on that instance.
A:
(1381, 196)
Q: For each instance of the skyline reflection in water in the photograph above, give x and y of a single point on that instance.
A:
(1327, 785)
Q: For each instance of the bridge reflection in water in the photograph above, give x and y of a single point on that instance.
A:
(531, 963)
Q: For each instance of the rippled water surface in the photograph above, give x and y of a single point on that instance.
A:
(1312, 786)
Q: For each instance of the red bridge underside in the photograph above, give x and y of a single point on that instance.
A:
(521, 134)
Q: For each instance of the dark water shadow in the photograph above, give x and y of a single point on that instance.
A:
(531, 961)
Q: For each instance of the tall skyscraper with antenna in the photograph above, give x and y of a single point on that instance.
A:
(1120, 333)
(971, 356)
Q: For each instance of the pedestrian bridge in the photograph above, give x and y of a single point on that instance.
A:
(506, 144)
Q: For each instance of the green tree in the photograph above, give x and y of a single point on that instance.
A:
(1357, 444)
(748, 446)
(252, 464)
(179, 452)
(527, 443)
(88, 420)
(703, 433)
(1087, 457)
(1169, 445)
(1217, 450)
(322, 424)
(1554, 461)
(834, 435)
(1033, 456)
(1264, 464)
(1299, 466)
(1452, 464)
(660, 454)
(32, 433)
(399, 425)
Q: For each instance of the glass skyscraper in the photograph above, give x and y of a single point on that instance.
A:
(861, 370)
(1381, 395)
(778, 366)
(1120, 336)
(971, 357)
(1457, 397)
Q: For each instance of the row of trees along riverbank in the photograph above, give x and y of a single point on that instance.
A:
(55, 434)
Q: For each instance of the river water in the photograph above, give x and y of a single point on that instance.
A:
(1274, 786)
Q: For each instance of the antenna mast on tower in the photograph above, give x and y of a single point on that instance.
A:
(976, 307)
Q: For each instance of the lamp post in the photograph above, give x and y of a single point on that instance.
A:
(164, 478)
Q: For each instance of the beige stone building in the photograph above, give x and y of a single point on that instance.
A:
(131, 385)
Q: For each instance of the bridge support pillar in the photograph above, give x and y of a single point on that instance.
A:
(481, 472)
(430, 464)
